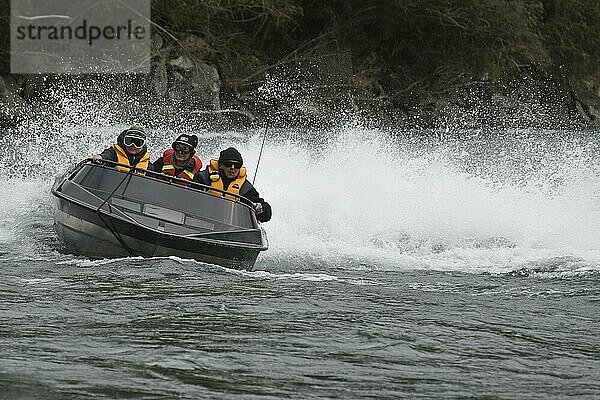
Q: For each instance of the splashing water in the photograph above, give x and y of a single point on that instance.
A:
(403, 204)
(388, 199)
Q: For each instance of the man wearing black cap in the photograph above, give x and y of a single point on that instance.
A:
(181, 159)
(130, 149)
(228, 173)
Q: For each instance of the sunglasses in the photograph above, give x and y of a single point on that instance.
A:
(233, 164)
(182, 149)
(134, 141)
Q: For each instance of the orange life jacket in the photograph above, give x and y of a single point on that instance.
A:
(122, 159)
(169, 169)
(217, 182)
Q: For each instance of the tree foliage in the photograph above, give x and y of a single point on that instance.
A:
(392, 46)
(241, 35)
(396, 46)
(571, 33)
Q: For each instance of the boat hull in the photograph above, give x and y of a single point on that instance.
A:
(131, 221)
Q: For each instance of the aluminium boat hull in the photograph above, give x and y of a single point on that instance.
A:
(103, 213)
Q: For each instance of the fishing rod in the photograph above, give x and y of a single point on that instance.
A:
(261, 150)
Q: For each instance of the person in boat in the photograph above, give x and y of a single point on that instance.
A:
(130, 149)
(228, 173)
(180, 160)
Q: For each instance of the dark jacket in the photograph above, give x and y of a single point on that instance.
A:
(111, 155)
(247, 190)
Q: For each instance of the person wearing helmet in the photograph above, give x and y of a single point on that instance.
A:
(228, 173)
(130, 149)
(180, 160)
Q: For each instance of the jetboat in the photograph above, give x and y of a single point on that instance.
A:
(103, 212)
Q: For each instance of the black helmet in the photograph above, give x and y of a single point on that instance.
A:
(190, 140)
(230, 154)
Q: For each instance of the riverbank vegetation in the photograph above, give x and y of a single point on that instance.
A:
(391, 49)
(400, 53)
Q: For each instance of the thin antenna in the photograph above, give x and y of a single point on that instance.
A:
(261, 150)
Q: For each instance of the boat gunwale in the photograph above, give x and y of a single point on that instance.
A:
(166, 179)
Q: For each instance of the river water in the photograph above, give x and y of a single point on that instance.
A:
(460, 264)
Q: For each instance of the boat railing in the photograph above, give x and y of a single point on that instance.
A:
(168, 179)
